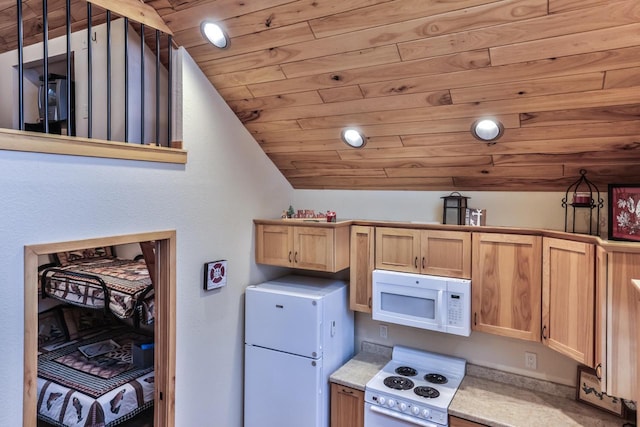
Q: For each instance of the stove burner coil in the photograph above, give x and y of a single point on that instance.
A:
(398, 383)
(406, 371)
(428, 392)
(436, 378)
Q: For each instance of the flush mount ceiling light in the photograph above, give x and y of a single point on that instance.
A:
(487, 130)
(214, 34)
(353, 138)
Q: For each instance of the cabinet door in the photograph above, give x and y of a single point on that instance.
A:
(446, 253)
(313, 248)
(274, 245)
(623, 321)
(506, 285)
(362, 262)
(568, 294)
(398, 249)
(600, 356)
(461, 422)
(347, 406)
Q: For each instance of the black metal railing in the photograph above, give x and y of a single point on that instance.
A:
(70, 113)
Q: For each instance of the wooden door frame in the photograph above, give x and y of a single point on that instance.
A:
(164, 329)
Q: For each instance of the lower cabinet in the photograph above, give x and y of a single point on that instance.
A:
(461, 422)
(347, 406)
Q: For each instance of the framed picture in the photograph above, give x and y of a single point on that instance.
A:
(624, 212)
(215, 274)
(588, 391)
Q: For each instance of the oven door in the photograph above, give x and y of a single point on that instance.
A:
(405, 303)
(378, 416)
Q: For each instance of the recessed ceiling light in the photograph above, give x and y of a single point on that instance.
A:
(487, 129)
(353, 138)
(215, 35)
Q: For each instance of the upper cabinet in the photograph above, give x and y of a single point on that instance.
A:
(321, 247)
(435, 252)
(362, 264)
(568, 295)
(622, 323)
(506, 285)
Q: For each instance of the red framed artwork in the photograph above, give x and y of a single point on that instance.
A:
(624, 212)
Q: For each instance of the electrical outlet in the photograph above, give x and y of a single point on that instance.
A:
(383, 331)
(530, 360)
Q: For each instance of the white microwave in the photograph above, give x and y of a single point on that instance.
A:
(428, 302)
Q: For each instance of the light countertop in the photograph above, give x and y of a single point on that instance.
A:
(491, 397)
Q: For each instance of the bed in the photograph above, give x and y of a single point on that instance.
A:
(86, 375)
(95, 278)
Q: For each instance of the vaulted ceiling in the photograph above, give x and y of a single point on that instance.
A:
(563, 76)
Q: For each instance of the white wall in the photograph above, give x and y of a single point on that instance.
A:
(514, 209)
(211, 202)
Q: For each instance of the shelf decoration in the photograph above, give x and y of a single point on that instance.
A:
(624, 212)
(454, 208)
(582, 194)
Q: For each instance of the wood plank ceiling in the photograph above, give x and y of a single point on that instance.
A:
(563, 76)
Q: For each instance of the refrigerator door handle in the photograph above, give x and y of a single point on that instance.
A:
(333, 328)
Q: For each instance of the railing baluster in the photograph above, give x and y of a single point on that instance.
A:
(20, 68)
(108, 75)
(45, 64)
(70, 120)
(141, 83)
(157, 87)
(169, 91)
(89, 73)
(126, 79)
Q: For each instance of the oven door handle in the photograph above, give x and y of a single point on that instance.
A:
(402, 417)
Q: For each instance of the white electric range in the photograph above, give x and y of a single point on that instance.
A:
(414, 388)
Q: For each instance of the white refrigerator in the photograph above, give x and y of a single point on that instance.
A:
(298, 331)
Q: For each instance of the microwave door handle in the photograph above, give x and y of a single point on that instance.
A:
(440, 310)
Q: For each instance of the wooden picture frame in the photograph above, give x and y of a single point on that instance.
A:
(588, 392)
(624, 212)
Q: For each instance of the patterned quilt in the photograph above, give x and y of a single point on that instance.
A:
(93, 392)
(126, 282)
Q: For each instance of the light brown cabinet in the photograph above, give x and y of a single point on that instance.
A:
(568, 295)
(320, 248)
(361, 267)
(506, 285)
(622, 324)
(435, 252)
(347, 406)
(461, 422)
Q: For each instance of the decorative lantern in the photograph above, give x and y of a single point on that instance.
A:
(454, 210)
(583, 196)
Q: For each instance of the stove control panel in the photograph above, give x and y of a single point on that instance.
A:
(408, 407)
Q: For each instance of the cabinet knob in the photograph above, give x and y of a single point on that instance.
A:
(475, 319)
(369, 302)
(289, 256)
(415, 263)
(423, 260)
(344, 390)
(599, 371)
(544, 336)
(295, 257)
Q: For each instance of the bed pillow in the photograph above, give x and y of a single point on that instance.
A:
(70, 257)
(51, 328)
(82, 321)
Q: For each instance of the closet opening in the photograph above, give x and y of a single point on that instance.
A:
(99, 348)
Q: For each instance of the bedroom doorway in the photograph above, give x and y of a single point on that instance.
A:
(164, 325)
